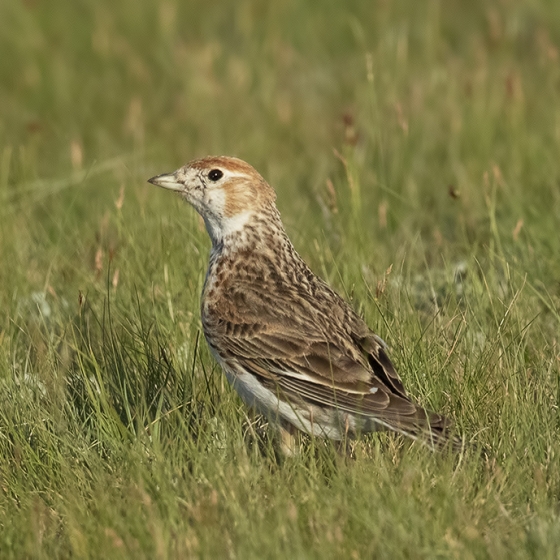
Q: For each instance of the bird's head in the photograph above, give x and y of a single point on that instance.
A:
(225, 191)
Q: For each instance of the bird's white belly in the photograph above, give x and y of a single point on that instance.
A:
(254, 394)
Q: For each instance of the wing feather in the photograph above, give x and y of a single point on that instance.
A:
(309, 357)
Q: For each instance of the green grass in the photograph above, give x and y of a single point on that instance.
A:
(414, 148)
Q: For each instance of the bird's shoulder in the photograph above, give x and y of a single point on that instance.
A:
(271, 287)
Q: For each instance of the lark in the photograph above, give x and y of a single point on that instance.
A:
(291, 347)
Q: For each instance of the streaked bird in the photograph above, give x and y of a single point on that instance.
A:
(291, 347)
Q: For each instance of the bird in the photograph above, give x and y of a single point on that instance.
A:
(292, 348)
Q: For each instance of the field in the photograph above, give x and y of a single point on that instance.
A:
(415, 150)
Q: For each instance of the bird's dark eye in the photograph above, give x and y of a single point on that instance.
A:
(215, 175)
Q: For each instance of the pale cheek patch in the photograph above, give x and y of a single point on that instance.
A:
(221, 216)
(216, 202)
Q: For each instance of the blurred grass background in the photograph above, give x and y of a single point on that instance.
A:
(414, 148)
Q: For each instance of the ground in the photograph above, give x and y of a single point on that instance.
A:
(415, 151)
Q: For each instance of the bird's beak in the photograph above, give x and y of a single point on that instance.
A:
(167, 181)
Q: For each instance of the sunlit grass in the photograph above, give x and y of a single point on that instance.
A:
(414, 149)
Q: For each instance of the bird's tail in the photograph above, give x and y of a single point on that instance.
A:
(440, 436)
(434, 430)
